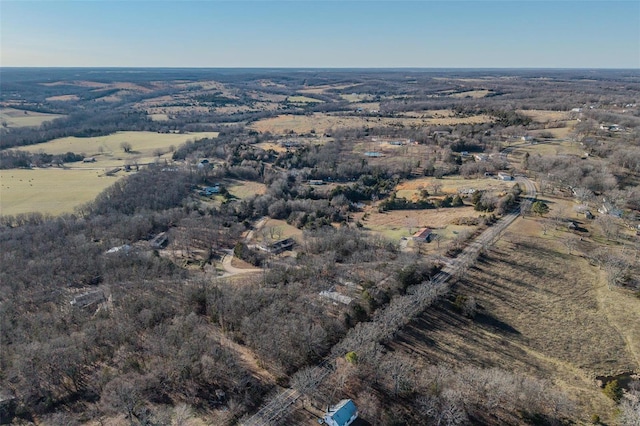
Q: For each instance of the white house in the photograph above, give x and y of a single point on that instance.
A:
(342, 414)
(504, 176)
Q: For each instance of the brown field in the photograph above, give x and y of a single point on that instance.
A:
(542, 312)
(244, 189)
(63, 98)
(322, 122)
(21, 118)
(303, 100)
(107, 150)
(403, 223)
(544, 116)
(318, 90)
(550, 148)
(51, 191)
(476, 94)
(452, 185)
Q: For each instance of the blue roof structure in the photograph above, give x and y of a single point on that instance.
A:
(342, 414)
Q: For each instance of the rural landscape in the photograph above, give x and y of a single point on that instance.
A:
(281, 246)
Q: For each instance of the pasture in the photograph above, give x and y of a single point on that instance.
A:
(50, 191)
(303, 100)
(542, 312)
(404, 223)
(21, 118)
(452, 185)
(108, 152)
(319, 122)
(245, 189)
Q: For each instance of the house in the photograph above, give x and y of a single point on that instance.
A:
(504, 176)
(342, 414)
(89, 160)
(316, 182)
(527, 138)
(481, 157)
(279, 246)
(210, 190)
(423, 235)
(373, 154)
(588, 214)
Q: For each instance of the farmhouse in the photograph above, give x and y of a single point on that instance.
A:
(373, 154)
(423, 235)
(481, 157)
(504, 176)
(316, 182)
(342, 414)
(89, 160)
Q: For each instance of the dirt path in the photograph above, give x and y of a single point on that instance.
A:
(247, 358)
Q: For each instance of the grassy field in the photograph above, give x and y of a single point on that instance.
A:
(244, 189)
(51, 191)
(108, 152)
(545, 116)
(452, 185)
(542, 312)
(303, 100)
(403, 223)
(322, 122)
(19, 118)
(476, 94)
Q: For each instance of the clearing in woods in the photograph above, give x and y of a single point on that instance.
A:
(542, 312)
(52, 191)
(10, 117)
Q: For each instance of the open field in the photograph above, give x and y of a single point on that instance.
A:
(303, 100)
(244, 189)
(475, 94)
(105, 148)
(322, 122)
(544, 116)
(550, 148)
(453, 184)
(21, 118)
(541, 312)
(63, 98)
(52, 191)
(396, 224)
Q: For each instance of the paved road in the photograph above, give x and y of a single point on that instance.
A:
(280, 405)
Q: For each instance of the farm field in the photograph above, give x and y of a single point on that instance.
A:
(107, 148)
(322, 122)
(49, 191)
(303, 100)
(21, 118)
(244, 189)
(525, 286)
(396, 224)
(452, 185)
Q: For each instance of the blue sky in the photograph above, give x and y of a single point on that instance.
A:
(494, 34)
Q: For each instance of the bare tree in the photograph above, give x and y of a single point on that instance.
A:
(126, 147)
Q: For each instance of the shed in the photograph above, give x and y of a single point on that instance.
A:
(423, 234)
(342, 414)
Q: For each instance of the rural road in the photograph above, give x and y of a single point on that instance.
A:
(278, 406)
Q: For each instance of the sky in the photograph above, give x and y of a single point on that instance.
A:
(321, 34)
